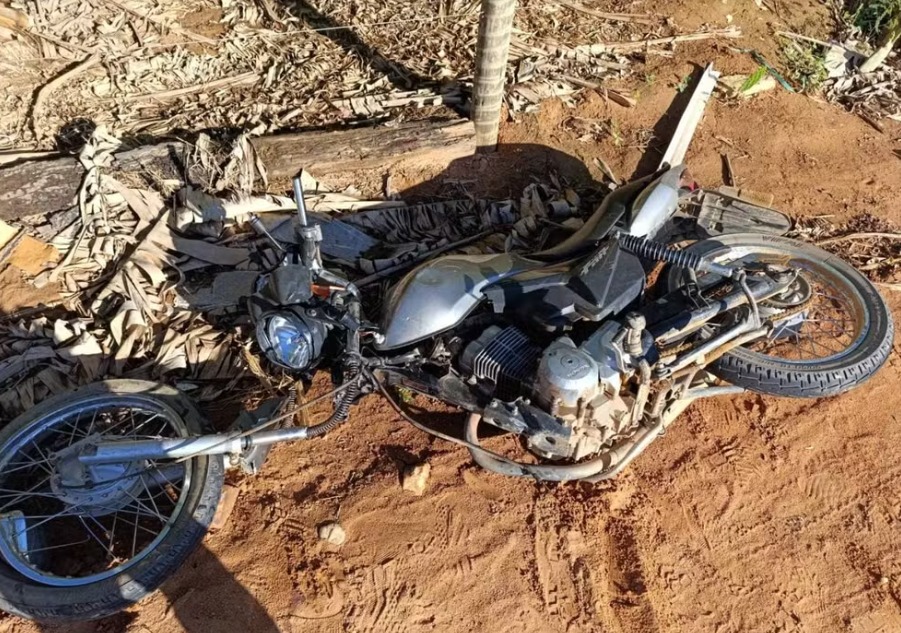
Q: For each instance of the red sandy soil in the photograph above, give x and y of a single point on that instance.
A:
(752, 514)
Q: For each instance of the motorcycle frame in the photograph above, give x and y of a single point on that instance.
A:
(237, 444)
(242, 444)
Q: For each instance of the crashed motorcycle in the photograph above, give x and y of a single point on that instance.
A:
(106, 491)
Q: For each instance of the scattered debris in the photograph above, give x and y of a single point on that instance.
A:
(728, 172)
(261, 67)
(872, 245)
(873, 95)
(746, 86)
(607, 171)
(415, 478)
(332, 533)
(863, 84)
(226, 506)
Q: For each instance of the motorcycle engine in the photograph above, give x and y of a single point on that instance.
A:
(579, 385)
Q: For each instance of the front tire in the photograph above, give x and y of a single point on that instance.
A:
(60, 597)
(813, 377)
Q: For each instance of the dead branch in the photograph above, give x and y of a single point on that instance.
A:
(216, 84)
(613, 17)
(47, 89)
(613, 95)
(624, 47)
(859, 236)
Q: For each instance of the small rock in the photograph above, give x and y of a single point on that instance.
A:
(416, 478)
(333, 533)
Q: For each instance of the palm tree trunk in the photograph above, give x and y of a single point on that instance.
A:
(495, 26)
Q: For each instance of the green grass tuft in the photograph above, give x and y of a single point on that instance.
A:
(753, 79)
(873, 17)
(806, 65)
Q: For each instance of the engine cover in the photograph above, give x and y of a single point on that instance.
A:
(583, 391)
(567, 378)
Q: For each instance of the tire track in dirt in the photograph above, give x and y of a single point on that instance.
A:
(627, 586)
(553, 575)
(563, 573)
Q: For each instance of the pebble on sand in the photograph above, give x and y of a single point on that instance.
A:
(416, 478)
(332, 532)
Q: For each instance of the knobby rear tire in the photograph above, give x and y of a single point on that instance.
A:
(814, 379)
(30, 599)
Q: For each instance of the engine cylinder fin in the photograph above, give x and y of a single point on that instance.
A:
(504, 358)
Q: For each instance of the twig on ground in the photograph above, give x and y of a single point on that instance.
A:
(859, 236)
(613, 95)
(44, 91)
(813, 40)
(873, 123)
(12, 157)
(613, 17)
(605, 168)
(55, 40)
(243, 78)
(729, 174)
(623, 47)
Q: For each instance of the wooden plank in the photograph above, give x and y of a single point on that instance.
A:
(44, 186)
(365, 147)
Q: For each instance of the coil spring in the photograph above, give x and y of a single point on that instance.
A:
(649, 249)
(344, 401)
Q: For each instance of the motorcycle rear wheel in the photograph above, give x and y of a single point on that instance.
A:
(852, 357)
(83, 552)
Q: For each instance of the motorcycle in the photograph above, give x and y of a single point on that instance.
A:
(106, 491)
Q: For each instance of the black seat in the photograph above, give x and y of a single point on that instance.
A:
(598, 226)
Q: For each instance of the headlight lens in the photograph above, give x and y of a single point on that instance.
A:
(290, 342)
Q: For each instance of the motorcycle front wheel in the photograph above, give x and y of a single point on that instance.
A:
(79, 551)
(832, 331)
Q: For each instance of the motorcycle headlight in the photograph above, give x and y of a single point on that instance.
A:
(287, 340)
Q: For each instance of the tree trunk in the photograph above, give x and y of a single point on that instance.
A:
(45, 186)
(495, 27)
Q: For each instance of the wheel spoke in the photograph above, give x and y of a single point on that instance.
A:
(118, 514)
(26, 493)
(61, 513)
(147, 510)
(95, 537)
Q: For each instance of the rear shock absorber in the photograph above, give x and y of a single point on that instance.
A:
(649, 249)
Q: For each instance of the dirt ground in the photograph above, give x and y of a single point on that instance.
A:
(752, 513)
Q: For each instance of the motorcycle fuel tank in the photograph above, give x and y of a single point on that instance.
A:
(439, 294)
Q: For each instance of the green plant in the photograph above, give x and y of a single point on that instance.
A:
(649, 79)
(614, 132)
(873, 17)
(753, 79)
(683, 83)
(806, 66)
